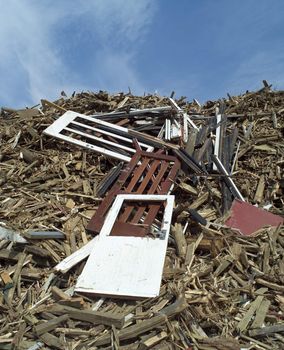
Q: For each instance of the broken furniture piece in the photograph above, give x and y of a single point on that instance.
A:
(146, 173)
(88, 132)
(248, 219)
(71, 260)
(136, 273)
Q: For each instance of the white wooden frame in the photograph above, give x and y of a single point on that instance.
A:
(123, 265)
(172, 129)
(167, 129)
(186, 119)
(73, 259)
(66, 121)
(217, 139)
(187, 123)
(114, 211)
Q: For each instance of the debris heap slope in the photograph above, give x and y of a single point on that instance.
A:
(221, 289)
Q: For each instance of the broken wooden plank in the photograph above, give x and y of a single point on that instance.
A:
(242, 325)
(95, 317)
(66, 264)
(231, 185)
(268, 330)
(260, 190)
(45, 235)
(45, 327)
(180, 240)
(133, 331)
(16, 277)
(261, 314)
(52, 341)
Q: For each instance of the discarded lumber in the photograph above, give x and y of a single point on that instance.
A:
(215, 261)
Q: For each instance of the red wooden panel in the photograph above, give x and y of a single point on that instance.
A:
(97, 220)
(248, 218)
(137, 175)
(142, 175)
(150, 174)
(125, 229)
(153, 189)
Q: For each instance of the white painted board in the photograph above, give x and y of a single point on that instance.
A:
(76, 257)
(217, 139)
(69, 122)
(124, 266)
(127, 266)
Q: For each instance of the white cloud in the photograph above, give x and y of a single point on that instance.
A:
(120, 20)
(32, 59)
(24, 33)
(115, 70)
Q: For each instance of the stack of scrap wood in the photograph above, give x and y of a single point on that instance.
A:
(223, 273)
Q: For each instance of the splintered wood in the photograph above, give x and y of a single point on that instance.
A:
(218, 288)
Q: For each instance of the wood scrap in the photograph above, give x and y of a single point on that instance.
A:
(52, 186)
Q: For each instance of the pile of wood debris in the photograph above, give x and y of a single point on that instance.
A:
(223, 275)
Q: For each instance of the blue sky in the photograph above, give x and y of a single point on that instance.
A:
(199, 48)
